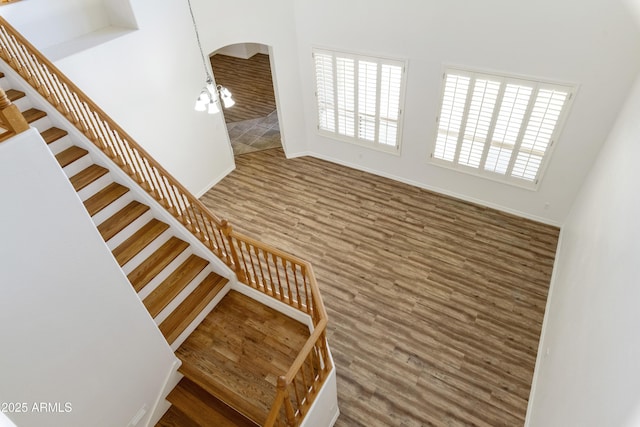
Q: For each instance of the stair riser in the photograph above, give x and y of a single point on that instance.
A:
(182, 295)
(128, 231)
(94, 187)
(59, 145)
(78, 166)
(193, 325)
(41, 124)
(147, 252)
(170, 268)
(112, 208)
(22, 103)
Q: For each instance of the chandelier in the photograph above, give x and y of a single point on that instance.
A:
(209, 97)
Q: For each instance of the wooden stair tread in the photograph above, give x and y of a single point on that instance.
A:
(154, 264)
(157, 300)
(121, 219)
(227, 392)
(87, 176)
(70, 155)
(189, 309)
(237, 358)
(33, 114)
(174, 417)
(14, 95)
(53, 134)
(104, 197)
(203, 408)
(138, 241)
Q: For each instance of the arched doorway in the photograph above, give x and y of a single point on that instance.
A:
(252, 123)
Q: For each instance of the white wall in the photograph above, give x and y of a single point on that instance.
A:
(46, 23)
(72, 328)
(591, 376)
(270, 23)
(148, 81)
(593, 43)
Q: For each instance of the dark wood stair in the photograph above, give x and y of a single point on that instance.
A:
(237, 358)
(119, 221)
(70, 155)
(33, 114)
(105, 197)
(53, 134)
(87, 176)
(14, 95)
(139, 240)
(157, 262)
(203, 409)
(157, 300)
(201, 398)
(189, 309)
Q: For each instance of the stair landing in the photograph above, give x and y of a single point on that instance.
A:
(238, 352)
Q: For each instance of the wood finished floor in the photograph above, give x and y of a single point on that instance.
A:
(242, 354)
(435, 305)
(250, 82)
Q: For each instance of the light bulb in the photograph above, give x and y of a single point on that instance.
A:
(213, 107)
(200, 105)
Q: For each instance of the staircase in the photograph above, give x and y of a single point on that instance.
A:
(175, 285)
(177, 256)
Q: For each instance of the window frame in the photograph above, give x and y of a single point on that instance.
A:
(357, 58)
(536, 84)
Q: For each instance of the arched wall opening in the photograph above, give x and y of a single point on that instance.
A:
(246, 70)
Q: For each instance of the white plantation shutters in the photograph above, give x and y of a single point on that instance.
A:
(498, 126)
(359, 98)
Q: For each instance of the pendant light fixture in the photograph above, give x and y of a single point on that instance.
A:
(209, 97)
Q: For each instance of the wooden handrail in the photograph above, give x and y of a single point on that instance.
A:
(278, 274)
(110, 138)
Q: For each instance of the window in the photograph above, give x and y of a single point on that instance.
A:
(359, 98)
(498, 126)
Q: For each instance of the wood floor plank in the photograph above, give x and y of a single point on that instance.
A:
(250, 82)
(435, 305)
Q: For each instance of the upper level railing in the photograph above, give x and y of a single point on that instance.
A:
(268, 270)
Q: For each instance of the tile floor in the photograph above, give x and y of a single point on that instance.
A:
(255, 134)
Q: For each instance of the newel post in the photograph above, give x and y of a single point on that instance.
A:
(226, 231)
(288, 407)
(10, 116)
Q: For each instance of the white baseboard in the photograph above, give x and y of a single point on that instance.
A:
(426, 187)
(161, 405)
(216, 180)
(541, 354)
